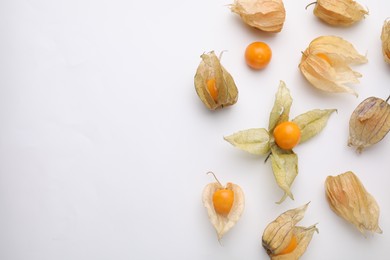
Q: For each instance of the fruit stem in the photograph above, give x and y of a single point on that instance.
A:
(310, 5)
(215, 177)
(388, 98)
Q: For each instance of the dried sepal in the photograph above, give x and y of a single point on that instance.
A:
(285, 168)
(348, 198)
(214, 84)
(339, 12)
(385, 38)
(259, 141)
(223, 223)
(265, 15)
(255, 141)
(369, 123)
(283, 240)
(326, 64)
(312, 122)
(281, 108)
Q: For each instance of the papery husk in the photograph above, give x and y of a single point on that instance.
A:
(265, 15)
(285, 168)
(210, 68)
(278, 234)
(348, 198)
(331, 77)
(339, 12)
(223, 224)
(255, 140)
(369, 123)
(385, 38)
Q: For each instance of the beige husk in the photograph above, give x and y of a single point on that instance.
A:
(369, 123)
(385, 37)
(265, 15)
(223, 224)
(278, 234)
(210, 68)
(348, 198)
(339, 12)
(331, 76)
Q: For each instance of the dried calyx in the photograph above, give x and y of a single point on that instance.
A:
(339, 12)
(224, 204)
(369, 123)
(213, 84)
(326, 64)
(348, 198)
(385, 38)
(265, 15)
(282, 239)
(278, 145)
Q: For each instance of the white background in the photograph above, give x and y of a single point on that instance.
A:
(104, 144)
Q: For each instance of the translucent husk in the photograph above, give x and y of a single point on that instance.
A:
(210, 68)
(385, 38)
(369, 123)
(278, 234)
(260, 141)
(348, 198)
(265, 15)
(333, 73)
(339, 12)
(221, 223)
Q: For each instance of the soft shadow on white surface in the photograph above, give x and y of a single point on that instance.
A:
(104, 144)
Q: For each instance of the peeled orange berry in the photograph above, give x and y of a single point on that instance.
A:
(287, 135)
(223, 201)
(258, 55)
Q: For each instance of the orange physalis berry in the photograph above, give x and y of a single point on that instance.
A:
(287, 135)
(290, 247)
(223, 201)
(258, 55)
(212, 89)
(324, 57)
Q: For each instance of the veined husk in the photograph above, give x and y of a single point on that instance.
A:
(265, 15)
(331, 75)
(278, 234)
(223, 224)
(260, 141)
(210, 68)
(349, 199)
(369, 123)
(385, 37)
(339, 12)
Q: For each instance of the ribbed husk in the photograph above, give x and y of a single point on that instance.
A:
(331, 76)
(278, 234)
(339, 12)
(349, 199)
(385, 37)
(210, 68)
(265, 15)
(369, 123)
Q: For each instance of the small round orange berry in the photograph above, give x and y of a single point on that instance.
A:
(290, 247)
(324, 57)
(223, 201)
(258, 55)
(212, 88)
(287, 135)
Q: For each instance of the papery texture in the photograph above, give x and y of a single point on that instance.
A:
(348, 198)
(326, 64)
(265, 15)
(225, 89)
(223, 224)
(369, 123)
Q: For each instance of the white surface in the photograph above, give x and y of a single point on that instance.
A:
(104, 144)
